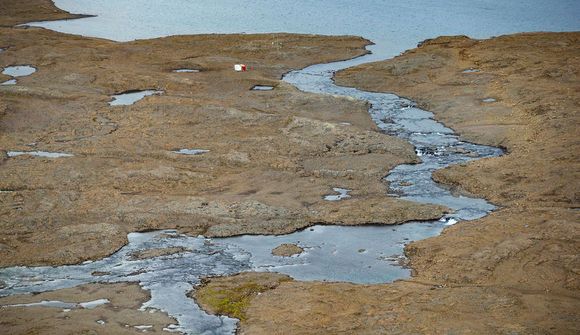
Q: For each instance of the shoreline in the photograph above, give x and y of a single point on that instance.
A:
(130, 203)
(456, 287)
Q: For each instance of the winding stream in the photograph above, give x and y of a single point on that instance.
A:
(368, 254)
(364, 254)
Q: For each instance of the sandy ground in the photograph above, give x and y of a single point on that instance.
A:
(272, 156)
(515, 271)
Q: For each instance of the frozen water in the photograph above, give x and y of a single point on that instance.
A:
(190, 151)
(342, 194)
(262, 88)
(9, 82)
(94, 303)
(186, 71)
(65, 305)
(38, 154)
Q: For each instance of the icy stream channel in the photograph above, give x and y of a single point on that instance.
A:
(368, 254)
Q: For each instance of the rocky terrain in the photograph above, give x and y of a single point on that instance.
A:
(119, 314)
(271, 155)
(512, 272)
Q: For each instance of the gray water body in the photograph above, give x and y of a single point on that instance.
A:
(342, 194)
(44, 154)
(366, 254)
(9, 82)
(394, 25)
(129, 98)
(186, 71)
(19, 70)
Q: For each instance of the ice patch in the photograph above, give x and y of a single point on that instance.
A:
(343, 194)
(38, 154)
(67, 306)
(262, 88)
(9, 82)
(190, 151)
(186, 71)
(94, 303)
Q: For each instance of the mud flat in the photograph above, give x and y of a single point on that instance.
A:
(514, 271)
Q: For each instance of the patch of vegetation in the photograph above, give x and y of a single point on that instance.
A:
(231, 296)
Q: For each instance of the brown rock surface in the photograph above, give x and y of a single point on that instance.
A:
(287, 250)
(512, 272)
(13, 12)
(120, 315)
(272, 155)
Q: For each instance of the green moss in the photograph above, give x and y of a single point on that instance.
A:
(232, 298)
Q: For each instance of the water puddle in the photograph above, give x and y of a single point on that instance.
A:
(470, 71)
(45, 154)
(262, 88)
(331, 253)
(19, 70)
(143, 327)
(363, 254)
(131, 97)
(9, 82)
(488, 100)
(186, 71)
(190, 152)
(64, 305)
(342, 194)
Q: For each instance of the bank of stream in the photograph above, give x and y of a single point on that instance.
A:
(363, 254)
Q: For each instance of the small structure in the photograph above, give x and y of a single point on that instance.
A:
(240, 67)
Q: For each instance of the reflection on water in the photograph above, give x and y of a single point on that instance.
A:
(129, 98)
(394, 25)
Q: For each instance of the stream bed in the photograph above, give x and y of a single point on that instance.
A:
(362, 254)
